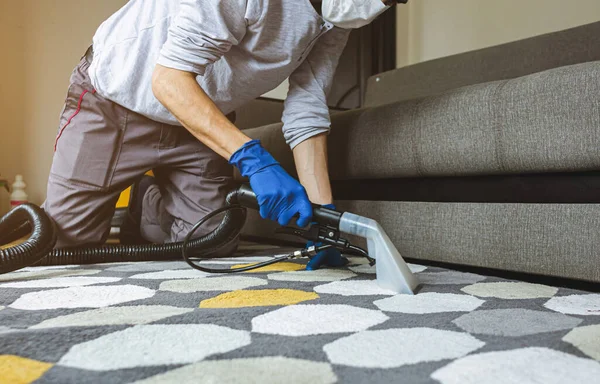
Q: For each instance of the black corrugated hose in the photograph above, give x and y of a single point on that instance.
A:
(38, 248)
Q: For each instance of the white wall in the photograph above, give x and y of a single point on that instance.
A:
(12, 94)
(280, 92)
(41, 42)
(438, 28)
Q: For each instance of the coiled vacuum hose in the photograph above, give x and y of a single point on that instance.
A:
(38, 248)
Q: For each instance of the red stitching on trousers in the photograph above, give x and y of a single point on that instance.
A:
(72, 117)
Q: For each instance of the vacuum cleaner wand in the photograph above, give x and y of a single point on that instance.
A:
(392, 271)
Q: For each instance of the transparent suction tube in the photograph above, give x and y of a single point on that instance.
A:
(392, 271)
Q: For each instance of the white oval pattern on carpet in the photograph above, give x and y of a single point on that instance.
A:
(134, 315)
(213, 284)
(510, 291)
(353, 288)
(429, 303)
(313, 276)
(172, 274)
(584, 305)
(260, 370)
(61, 282)
(304, 320)
(150, 345)
(392, 348)
(82, 297)
(523, 366)
(586, 339)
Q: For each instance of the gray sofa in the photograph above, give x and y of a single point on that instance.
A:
(488, 158)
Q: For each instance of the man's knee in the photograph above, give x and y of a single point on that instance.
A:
(81, 216)
(155, 222)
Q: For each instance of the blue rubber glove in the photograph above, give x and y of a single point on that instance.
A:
(330, 257)
(280, 196)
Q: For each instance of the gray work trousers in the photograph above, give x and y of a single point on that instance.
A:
(102, 148)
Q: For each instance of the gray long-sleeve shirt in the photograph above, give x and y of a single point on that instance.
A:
(240, 49)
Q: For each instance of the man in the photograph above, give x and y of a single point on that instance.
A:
(153, 92)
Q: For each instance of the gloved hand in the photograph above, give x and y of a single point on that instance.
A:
(330, 257)
(280, 196)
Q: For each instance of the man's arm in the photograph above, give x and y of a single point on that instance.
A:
(180, 93)
(280, 197)
(311, 163)
(201, 34)
(306, 115)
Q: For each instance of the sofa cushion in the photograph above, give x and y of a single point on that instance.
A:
(506, 61)
(259, 112)
(545, 122)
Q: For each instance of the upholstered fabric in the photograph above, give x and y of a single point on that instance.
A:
(576, 45)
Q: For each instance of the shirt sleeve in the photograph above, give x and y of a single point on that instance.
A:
(202, 32)
(306, 113)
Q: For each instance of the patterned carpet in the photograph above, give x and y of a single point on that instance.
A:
(164, 322)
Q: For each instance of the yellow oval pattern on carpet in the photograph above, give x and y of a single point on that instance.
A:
(278, 267)
(258, 298)
(19, 370)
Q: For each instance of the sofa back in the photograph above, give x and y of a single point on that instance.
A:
(506, 61)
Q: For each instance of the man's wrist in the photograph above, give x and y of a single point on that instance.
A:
(251, 158)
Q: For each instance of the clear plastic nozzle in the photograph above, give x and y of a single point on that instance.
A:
(392, 271)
